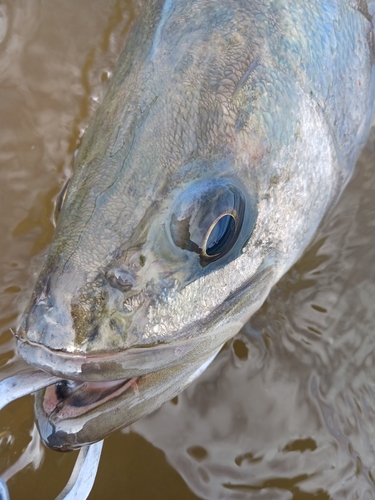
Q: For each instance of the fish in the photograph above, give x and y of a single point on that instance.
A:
(228, 130)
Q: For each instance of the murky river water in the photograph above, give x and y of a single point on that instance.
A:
(286, 411)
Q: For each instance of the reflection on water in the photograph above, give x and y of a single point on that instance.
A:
(286, 411)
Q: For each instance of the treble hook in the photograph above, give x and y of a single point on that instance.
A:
(84, 472)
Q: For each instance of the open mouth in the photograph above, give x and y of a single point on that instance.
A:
(75, 413)
(70, 399)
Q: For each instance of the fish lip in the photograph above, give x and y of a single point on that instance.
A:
(131, 363)
(138, 361)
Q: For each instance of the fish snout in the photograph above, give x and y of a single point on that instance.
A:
(76, 317)
(44, 323)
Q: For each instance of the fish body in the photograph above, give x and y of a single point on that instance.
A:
(227, 132)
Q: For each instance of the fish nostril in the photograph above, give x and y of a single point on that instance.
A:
(121, 279)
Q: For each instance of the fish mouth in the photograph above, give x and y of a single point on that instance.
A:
(99, 394)
(71, 414)
(71, 399)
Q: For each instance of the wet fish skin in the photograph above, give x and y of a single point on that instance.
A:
(256, 95)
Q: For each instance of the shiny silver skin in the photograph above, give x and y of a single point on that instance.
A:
(273, 97)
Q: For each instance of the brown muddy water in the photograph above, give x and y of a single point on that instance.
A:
(286, 411)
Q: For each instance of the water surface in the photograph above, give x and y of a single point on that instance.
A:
(286, 411)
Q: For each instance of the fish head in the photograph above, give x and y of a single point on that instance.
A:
(204, 173)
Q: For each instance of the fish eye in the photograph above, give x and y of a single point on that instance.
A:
(208, 219)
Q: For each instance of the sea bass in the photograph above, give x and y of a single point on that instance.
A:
(227, 132)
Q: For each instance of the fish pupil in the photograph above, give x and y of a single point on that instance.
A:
(220, 238)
